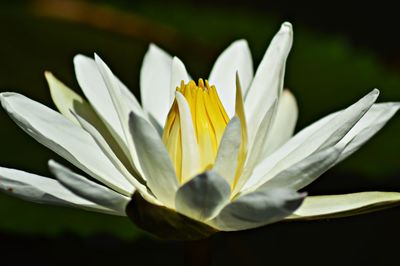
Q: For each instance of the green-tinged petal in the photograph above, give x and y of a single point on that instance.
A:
(203, 196)
(67, 101)
(226, 161)
(65, 138)
(89, 190)
(166, 223)
(336, 206)
(44, 190)
(155, 80)
(283, 126)
(258, 209)
(330, 133)
(154, 160)
(235, 58)
(267, 84)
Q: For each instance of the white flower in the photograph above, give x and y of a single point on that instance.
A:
(218, 155)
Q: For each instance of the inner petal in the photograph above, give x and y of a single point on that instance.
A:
(209, 120)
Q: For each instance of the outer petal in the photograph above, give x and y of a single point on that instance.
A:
(306, 171)
(115, 160)
(94, 88)
(67, 100)
(155, 80)
(41, 189)
(235, 58)
(65, 138)
(89, 190)
(368, 126)
(114, 89)
(154, 160)
(226, 161)
(335, 206)
(329, 134)
(203, 196)
(283, 126)
(257, 209)
(267, 84)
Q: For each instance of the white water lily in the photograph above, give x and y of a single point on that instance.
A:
(218, 153)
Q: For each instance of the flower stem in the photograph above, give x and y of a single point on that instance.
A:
(198, 252)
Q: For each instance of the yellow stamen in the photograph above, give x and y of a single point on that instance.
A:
(209, 122)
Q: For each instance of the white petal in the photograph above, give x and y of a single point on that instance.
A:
(235, 58)
(283, 125)
(256, 146)
(304, 145)
(155, 81)
(65, 138)
(67, 100)
(369, 125)
(178, 73)
(335, 206)
(115, 160)
(154, 160)
(267, 84)
(89, 190)
(190, 149)
(227, 157)
(306, 171)
(257, 209)
(123, 110)
(95, 90)
(44, 190)
(203, 196)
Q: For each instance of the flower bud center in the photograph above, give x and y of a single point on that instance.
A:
(209, 121)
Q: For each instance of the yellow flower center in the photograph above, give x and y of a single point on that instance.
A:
(209, 121)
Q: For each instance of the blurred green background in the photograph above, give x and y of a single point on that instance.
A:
(330, 66)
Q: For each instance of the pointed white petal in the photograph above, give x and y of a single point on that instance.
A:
(258, 209)
(227, 157)
(121, 107)
(203, 196)
(44, 190)
(65, 138)
(255, 148)
(114, 159)
(235, 58)
(283, 125)
(154, 160)
(155, 81)
(306, 171)
(303, 145)
(87, 189)
(369, 125)
(190, 149)
(335, 206)
(178, 73)
(66, 100)
(310, 168)
(267, 84)
(94, 88)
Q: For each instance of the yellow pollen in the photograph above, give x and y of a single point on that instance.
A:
(209, 122)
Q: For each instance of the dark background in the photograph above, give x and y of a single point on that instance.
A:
(341, 51)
